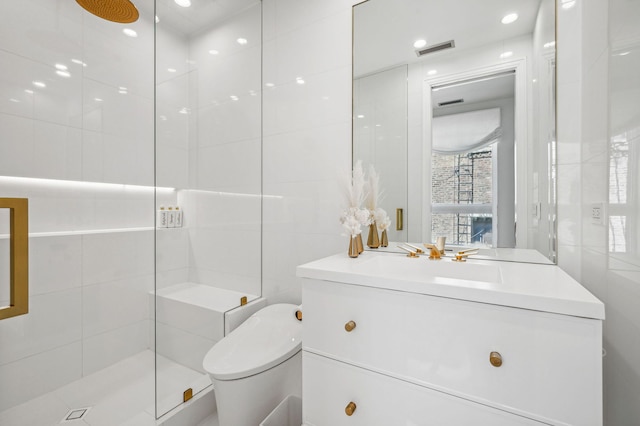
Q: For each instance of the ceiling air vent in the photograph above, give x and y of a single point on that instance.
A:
(455, 101)
(436, 48)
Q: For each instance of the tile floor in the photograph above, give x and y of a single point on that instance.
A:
(122, 394)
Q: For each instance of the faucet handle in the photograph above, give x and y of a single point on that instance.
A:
(418, 250)
(462, 255)
(411, 253)
(434, 253)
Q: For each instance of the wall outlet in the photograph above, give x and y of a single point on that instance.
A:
(597, 213)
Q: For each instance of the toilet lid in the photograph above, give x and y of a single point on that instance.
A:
(269, 337)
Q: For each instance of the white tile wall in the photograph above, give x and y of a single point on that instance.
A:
(306, 136)
(591, 102)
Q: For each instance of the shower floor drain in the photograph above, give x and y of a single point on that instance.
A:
(75, 414)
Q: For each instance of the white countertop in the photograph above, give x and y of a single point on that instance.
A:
(538, 287)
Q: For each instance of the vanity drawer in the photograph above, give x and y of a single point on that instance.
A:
(330, 386)
(551, 364)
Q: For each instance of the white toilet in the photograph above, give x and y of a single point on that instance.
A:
(257, 365)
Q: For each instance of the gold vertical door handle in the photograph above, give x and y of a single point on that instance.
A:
(350, 408)
(350, 326)
(18, 257)
(399, 217)
(495, 359)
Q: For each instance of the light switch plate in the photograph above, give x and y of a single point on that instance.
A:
(597, 213)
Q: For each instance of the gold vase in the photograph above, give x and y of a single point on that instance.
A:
(372, 240)
(359, 243)
(353, 247)
(384, 241)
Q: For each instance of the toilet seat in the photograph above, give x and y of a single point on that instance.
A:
(267, 338)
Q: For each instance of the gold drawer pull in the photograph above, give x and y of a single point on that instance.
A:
(495, 359)
(299, 315)
(350, 326)
(350, 408)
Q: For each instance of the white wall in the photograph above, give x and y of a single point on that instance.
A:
(306, 136)
(91, 245)
(595, 88)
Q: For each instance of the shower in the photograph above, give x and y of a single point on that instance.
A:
(121, 11)
(99, 128)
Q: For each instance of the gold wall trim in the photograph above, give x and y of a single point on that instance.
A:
(18, 257)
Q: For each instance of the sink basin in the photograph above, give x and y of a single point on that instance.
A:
(422, 268)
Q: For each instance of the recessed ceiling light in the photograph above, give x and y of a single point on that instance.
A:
(183, 3)
(234, 97)
(213, 52)
(97, 99)
(512, 17)
(506, 55)
(419, 43)
(29, 91)
(269, 84)
(432, 72)
(61, 67)
(130, 32)
(360, 116)
(299, 80)
(242, 41)
(39, 84)
(61, 73)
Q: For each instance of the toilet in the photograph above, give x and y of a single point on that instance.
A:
(257, 365)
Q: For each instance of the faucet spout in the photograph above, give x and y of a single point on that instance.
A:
(434, 252)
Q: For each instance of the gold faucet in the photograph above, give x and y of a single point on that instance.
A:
(461, 256)
(434, 252)
(410, 253)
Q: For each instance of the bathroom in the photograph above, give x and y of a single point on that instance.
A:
(135, 126)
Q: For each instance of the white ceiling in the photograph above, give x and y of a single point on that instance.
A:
(499, 87)
(201, 14)
(384, 30)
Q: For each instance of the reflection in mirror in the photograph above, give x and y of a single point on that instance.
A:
(456, 111)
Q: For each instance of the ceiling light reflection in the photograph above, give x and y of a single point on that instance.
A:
(510, 18)
(129, 32)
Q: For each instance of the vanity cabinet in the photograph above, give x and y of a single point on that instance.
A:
(397, 356)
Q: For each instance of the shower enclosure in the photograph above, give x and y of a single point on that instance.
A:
(101, 125)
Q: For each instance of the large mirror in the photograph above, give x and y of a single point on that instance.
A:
(454, 106)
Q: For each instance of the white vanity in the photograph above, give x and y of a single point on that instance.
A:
(390, 340)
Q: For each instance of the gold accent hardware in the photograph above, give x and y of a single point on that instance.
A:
(350, 408)
(359, 243)
(187, 395)
(410, 253)
(434, 253)
(440, 243)
(18, 257)
(299, 315)
(495, 359)
(121, 11)
(462, 255)
(350, 326)
(417, 249)
(243, 300)
(399, 215)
